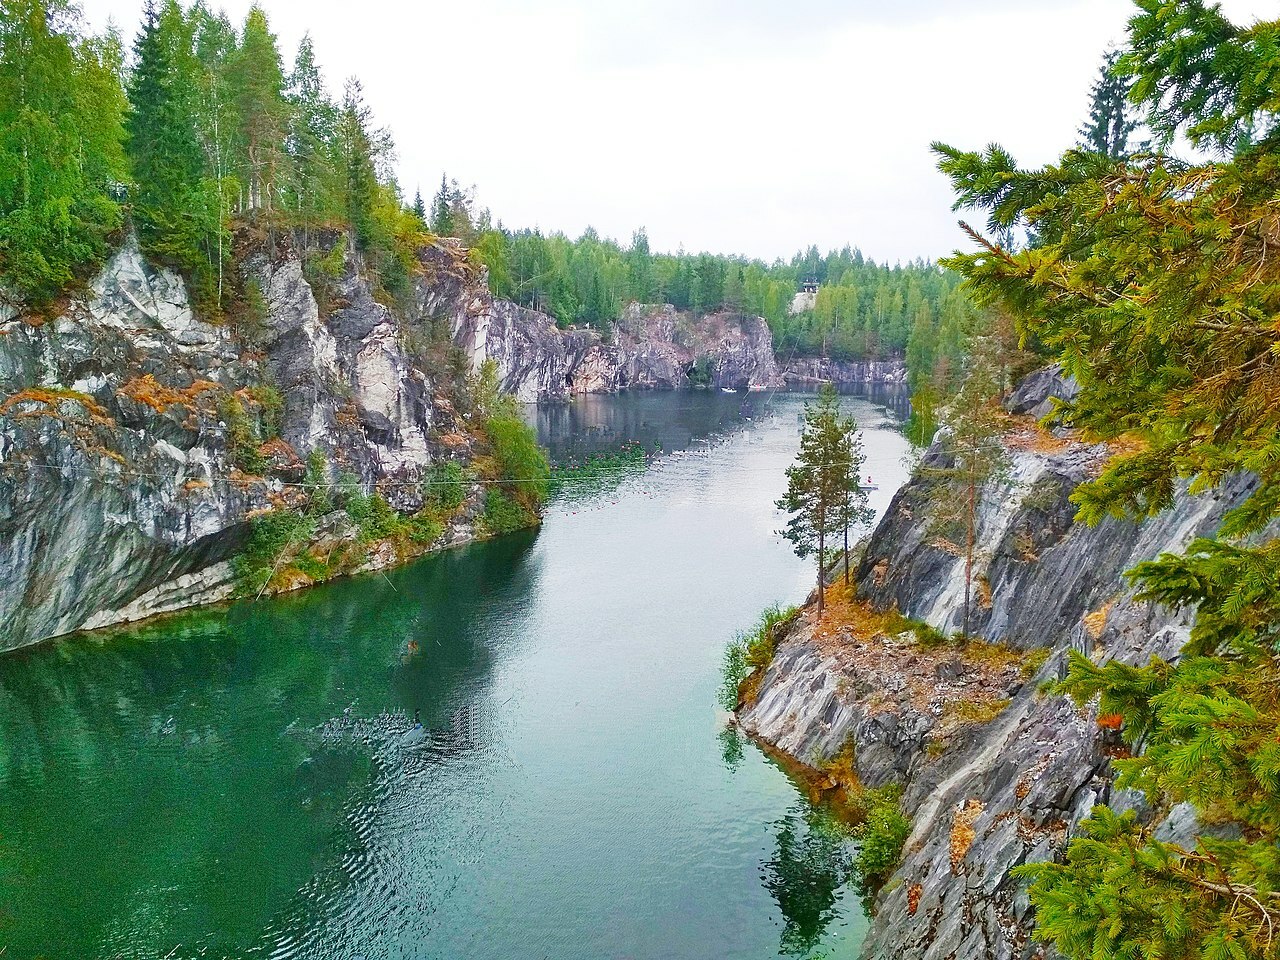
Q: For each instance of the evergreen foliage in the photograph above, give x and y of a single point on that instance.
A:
(177, 199)
(862, 310)
(973, 461)
(1156, 284)
(824, 495)
(1111, 124)
(61, 147)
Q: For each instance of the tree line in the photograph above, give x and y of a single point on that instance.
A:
(861, 310)
(203, 124)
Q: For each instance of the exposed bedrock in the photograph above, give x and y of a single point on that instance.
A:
(996, 772)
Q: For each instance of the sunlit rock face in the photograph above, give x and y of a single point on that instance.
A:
(1011, 786)
(119, 497)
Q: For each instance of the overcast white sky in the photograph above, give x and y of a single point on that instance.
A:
(735, 126)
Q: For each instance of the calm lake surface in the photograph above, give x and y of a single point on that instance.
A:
(247, 783)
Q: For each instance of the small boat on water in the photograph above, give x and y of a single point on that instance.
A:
(727, 390)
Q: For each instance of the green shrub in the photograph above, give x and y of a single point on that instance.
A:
(502, 514)
(270, 403)
(425, 527)
(881, 837)
(445, 488)
(271, 537)
(749, 654)
(316, 483)
(376, 518)
(242, 436)
(927, 637)
(521, 464)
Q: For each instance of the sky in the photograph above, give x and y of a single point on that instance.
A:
(753, 127)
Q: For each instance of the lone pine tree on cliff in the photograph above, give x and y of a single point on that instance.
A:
(1156, 281)
(973, 460)
(823, 490)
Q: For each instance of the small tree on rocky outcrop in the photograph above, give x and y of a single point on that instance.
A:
(823, 493)
(973, 460)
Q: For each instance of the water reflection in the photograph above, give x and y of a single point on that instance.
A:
(250, 783)
(217, 753)
(810, 866)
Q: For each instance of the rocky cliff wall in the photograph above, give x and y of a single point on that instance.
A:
(651, 348)
(810, 371)
(996, 772)
(124, 490)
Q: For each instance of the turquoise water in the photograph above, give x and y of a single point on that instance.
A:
(248, 783)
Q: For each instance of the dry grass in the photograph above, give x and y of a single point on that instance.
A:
(1096, 622)
(963, 833)
(1025, 433)
(845, 614)
(51, 398)
(974, 712)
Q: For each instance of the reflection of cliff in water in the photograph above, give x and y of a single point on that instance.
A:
(228, 753)
(672, 420)
(893, 396)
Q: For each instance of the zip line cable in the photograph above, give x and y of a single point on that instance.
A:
(126, 474)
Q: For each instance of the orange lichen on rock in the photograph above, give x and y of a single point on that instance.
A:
(146, 389)
(914, 892)
(963, 833)
(50, 398)
(1096, 622)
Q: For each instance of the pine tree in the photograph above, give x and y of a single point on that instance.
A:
(1158, 288)
(1110, 125)
(61, 146)
(257, 79)
(358, 163)
(973, 461)
(419, 208)
(442, 224)
(855, 512)
(177, 203)
(818, 483)
(312, 139)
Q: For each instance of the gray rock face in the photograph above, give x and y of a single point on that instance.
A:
(809, 371)
(118, 495)
(652, 348)
(1023, 780)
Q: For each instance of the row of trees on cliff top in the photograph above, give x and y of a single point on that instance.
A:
(1155, 280)
(204, 122)
(862, 309)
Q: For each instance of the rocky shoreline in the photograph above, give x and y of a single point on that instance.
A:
(132, 461)
(995, 771)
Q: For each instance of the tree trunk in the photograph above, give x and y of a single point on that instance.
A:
(968, 552)
(822, 559)
(844, 518)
